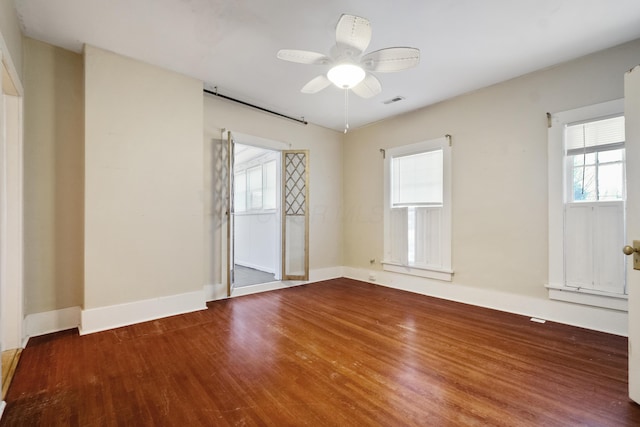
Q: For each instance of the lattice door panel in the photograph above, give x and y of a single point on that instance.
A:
(295, 183)
(295, 222)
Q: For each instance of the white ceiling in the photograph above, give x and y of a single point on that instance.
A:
(232, 44)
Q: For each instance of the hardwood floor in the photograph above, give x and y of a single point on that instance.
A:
(337, 353)
(9, 362)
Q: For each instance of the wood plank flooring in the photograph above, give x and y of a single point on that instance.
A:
(9, 363)
(336, 353)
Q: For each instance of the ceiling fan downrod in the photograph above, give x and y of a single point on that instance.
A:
(346, 109)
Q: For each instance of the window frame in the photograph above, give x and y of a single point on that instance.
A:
(259, 163)
(444, 270)
(558, 189)
(596, 150)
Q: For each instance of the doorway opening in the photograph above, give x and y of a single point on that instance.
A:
(265, 211)
(257, 215)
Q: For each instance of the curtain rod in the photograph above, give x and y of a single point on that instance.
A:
(210, 92)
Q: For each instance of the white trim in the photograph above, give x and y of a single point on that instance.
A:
(256, 141)
(3, 405)
(265, 287)
(328, 273)
(51, 321)
(12, 227)
(10, 66)
(429, 273)
(214, 291)
(115, 316)
(595, 318)
(588, 297)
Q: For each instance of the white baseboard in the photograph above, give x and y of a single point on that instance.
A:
(115, 316)
(214, 291)
(320, 274)
(51, 321)
(599, 319)
(218, 291)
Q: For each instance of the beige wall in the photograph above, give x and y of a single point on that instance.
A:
(143, 181)
(145, 230)
(53, 178)
(499, 170)
(325, 166)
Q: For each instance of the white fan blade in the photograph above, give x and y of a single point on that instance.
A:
(303, 56)
(391, 59)
(367, 88)
(316, 85)
(353, 33)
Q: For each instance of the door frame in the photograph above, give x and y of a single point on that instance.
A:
(11, 210)
(632, 136)
(227, 246)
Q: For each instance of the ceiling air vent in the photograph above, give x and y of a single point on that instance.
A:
(392, 100)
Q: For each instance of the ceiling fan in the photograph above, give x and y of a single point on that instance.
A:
(350, 69)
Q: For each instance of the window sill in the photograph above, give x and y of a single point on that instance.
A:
(429, 273)
(588, 297)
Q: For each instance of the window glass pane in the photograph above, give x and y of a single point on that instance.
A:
(417, 179)
(580, 159)
(584, 183)
(269, 201)
(610, 156)
(603, 177)
(610, 182)
(240, 192)
(254, 177)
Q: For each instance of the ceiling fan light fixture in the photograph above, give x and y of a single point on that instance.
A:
(346, 76)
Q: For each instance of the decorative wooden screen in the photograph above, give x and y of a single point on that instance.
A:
(295, 218)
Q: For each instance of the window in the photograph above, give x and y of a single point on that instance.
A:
(269, 189)
(240, 190)
(417, 211)
(595, 160)
(586, 206)
(255, 188)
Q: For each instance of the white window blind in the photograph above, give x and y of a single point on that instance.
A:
(417, 179)
(587, 136)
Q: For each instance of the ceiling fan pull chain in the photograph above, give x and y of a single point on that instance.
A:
(346, 110)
